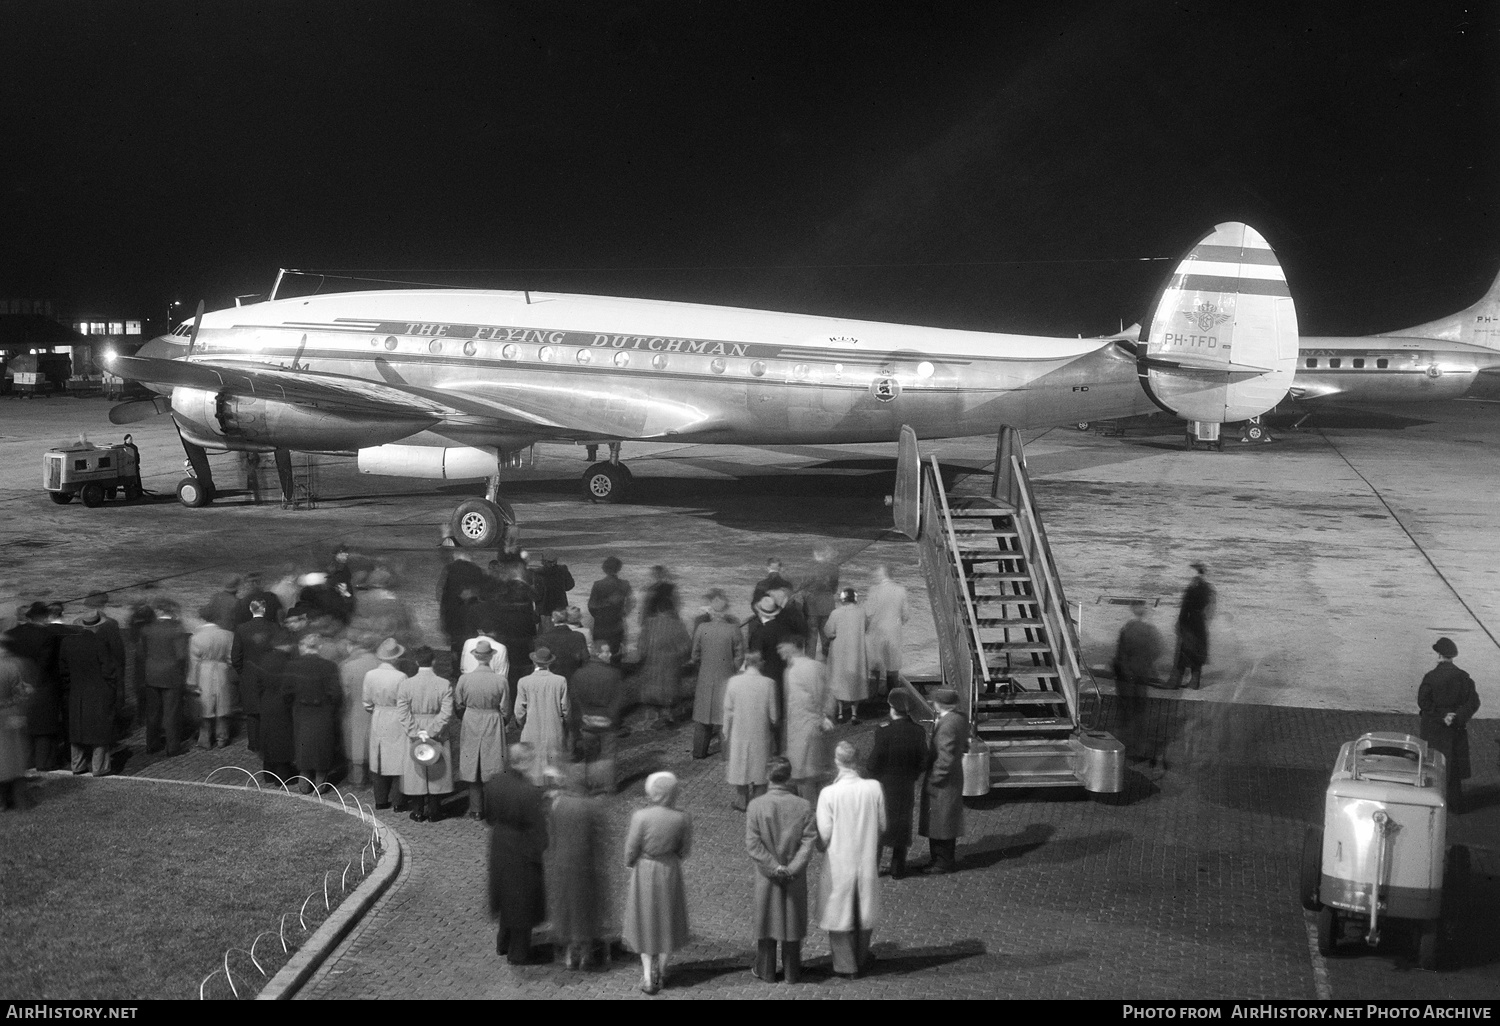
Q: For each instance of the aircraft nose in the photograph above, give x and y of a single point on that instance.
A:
(163, 347)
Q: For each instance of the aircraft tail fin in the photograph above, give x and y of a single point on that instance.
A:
(1222, 345)
(1477, 324)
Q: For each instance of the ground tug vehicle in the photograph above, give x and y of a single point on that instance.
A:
(95, 473)
(1381, 853)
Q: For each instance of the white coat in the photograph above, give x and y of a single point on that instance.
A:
(542, 711)
(499, 662)
(885, 612)
(388, 743)
(851, 816)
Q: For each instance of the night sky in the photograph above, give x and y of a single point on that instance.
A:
(986, 165)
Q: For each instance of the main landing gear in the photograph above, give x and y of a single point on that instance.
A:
(607, 481)
(197, 489)
(481, 523)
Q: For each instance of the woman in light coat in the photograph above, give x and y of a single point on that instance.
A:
(848, 669)
(425, 705)
(656, 916)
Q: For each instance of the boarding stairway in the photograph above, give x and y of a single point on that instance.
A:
(1006, 641)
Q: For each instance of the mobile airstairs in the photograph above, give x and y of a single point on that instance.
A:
(1007, 643)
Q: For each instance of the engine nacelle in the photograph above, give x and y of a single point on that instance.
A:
(429, 462)
(235, 421)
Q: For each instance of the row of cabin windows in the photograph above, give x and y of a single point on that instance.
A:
(1336, 362)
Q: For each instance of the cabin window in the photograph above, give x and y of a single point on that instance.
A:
(622, 359)
(1313, 363)
(718, 365)
(470, 349)
(434, 347)
(103, 462)
(1359, 364)
(390, 343)
(758, 368)
(80, 464)
(659, 361)
(1335, 363)
(800, 370)
(545, 354)
(509, 352)
(1382, 363)
(584, 356)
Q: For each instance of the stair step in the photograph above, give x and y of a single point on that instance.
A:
(984, 555)
(1035, 672)
(962, 508)
(1036, 747)
(997, 575)
(1050, 779)
(1015, 646)
(996, 623)
(974, 529)
(1028, 724)
(996, 701)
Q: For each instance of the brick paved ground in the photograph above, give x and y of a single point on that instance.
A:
(1183, 887)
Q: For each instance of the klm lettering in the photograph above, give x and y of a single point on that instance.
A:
(671, 345)
(1205, 341)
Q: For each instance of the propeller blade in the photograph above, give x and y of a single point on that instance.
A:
(139, 409)
(197, 323)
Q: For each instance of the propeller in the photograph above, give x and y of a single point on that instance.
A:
(197, 323)
(139, 409)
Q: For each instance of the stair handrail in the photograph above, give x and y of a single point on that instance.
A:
(957, 562)
(1054, 599)
(942, 587)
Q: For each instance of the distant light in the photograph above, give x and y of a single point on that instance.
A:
(109, 356)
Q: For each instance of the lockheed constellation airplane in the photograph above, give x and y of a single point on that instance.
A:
(442, 384)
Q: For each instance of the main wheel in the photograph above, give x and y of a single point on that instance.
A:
(1083, 425)
(191, 493)
(92, 494)
(1312, 868)
(477, 523)
(605, 482)
(1327, 930)
(1427, 945)
(1255, 432)
(61, 498)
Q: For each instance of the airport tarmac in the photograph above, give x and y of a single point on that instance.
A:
(1340, 553)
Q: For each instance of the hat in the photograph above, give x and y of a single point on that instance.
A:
(36, 610)
(899, 702)
(426, 753)
(389, 651)
(661, 787)
(768, 604)
(542, 656)
(312, 580)
(90, 618)
(1199, 567)
(945, 696)
(1445, 648)
(97, 599)
(484, 649)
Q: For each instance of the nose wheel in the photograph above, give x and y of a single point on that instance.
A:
(606, 482)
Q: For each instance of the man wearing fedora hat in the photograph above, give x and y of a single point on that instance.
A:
(942, 819)
(36, 642)
(768, 629)
(388, 741)
(481, 697)
(1447, 700)
(897, 759)
(425, 704)
(542, 712)
(91, 676)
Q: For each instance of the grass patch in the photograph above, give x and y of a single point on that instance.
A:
(130, 889)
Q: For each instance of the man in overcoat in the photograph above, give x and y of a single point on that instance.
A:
(596, 694)
(91, 677)
(942, 820)
(36, 642)
(718, 647)
(254, 640)
(517, 812)
(851, 816)
(1197, 609)
(164, 650)
(569, 648)
(886, 611)
(482, 699)
(897, 760)
(749, 729)
(780, 833)
(1447, 700)
(609, 604)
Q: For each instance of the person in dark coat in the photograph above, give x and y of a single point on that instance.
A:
(580, 882)
(255, 591)
(164, 650)
(781, 831)
(91, 677)
(596, 696)
(253, 640)
(278, 748)
(1447, 701)
(462, 580)
(942, 819)
(514, 625)
(35, 642)
(1137, 649)
(609, 604)
(772, 582)
(1192, 630)
(554, 580)
(221, 605)
(517, 812)
(768, 628)
(569, 648)
(897, 759)
(316, 690)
